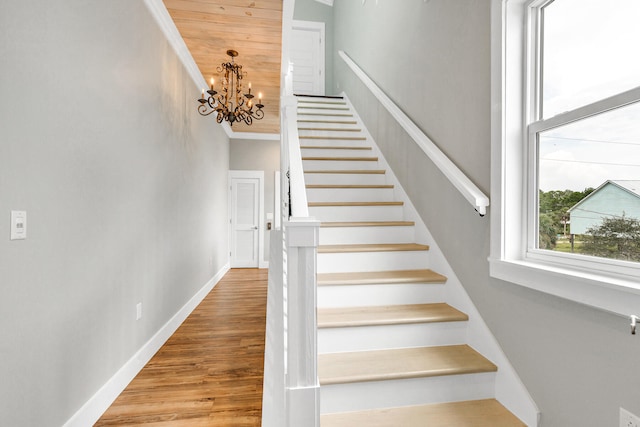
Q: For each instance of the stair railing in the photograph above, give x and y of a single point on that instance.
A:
(301, 234)
(291, 395)
(459, 180)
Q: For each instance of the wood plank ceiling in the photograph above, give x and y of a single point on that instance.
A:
(251, 27)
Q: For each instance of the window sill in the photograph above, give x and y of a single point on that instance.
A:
(613, 294)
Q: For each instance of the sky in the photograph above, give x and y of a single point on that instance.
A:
(591, 50)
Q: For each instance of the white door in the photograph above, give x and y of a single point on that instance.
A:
(307, 56)
(245, 212)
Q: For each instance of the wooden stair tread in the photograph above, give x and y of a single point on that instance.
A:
(306, 95)
(356, 186)
(368, 224)
(469, 413)
(372, 247)
(403, 363)
(329, 147)
(342, 159)
(345, 138)
(380, 277)
(350, 171)
(325, 204)
(388, 315)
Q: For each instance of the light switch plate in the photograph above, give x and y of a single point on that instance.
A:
(18, 225)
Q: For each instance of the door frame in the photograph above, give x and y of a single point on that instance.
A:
(259, 175)
(317, 27)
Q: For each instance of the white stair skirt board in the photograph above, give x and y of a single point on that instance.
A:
(357, 213)
(371, 234)
(372, 261)
(345, 178)
(366, 295)
(414, 391)
(360, 338)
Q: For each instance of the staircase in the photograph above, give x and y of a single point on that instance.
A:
(392, 351)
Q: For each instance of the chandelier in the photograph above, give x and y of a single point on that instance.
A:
(231, 104)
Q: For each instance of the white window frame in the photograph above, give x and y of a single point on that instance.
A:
(609, 285)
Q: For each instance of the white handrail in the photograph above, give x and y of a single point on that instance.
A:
(459, 180)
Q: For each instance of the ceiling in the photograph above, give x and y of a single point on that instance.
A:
(251, 27)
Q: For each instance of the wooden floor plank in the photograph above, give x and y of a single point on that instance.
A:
(210, 372)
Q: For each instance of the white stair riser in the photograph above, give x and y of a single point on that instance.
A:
(350, 127)
(334, 142)
(372, 261)
(357, 213)
(350, 194)
(320, 102)
(415, 391)
(345, 178)
(323, 109)
(362, 235)
(362, 338)
(335, 152)
(376, 295)
(331, 133)
(332, 165)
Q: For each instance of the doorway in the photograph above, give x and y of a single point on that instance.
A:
(307, 55)
(246, 210)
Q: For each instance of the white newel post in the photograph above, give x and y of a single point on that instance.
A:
(302, 386)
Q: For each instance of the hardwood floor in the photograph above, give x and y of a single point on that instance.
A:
(209, 373)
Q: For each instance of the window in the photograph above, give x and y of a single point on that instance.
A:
(566, 149)
(583, 134)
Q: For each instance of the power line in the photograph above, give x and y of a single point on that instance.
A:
(594, 140)
(588, 162)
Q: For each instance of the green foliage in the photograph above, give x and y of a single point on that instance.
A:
(553, 213)
(617, 238)
(548, 232)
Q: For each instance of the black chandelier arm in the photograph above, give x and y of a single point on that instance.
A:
(206, 106)
(258, 114)
(204, 110)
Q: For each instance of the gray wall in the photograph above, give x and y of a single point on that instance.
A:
(311, 10)
(260, 156)
(433, 59)
(125, 189)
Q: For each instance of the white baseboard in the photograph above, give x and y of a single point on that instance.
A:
(93, 409)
